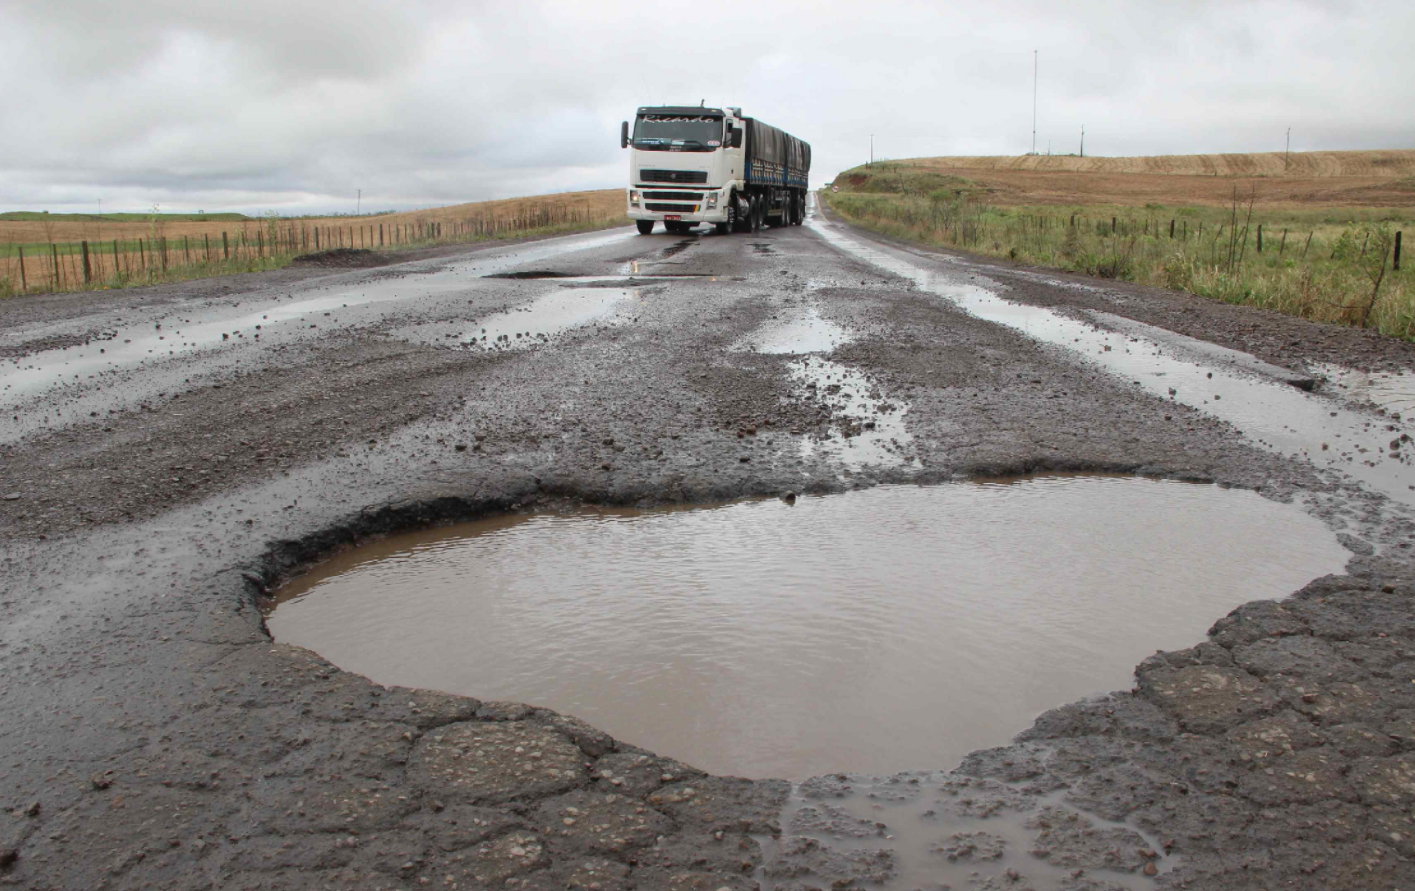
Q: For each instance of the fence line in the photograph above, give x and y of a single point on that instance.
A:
(113, 262)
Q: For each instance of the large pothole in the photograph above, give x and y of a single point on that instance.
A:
(872, 631)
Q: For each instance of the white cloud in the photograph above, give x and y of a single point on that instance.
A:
(194, 103)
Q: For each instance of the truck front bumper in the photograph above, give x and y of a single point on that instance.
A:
(678, 205)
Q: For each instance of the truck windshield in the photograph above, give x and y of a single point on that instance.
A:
(677, 133)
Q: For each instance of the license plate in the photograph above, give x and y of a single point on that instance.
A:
(673, 216)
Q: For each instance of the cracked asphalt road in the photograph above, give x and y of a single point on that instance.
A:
(172, 453)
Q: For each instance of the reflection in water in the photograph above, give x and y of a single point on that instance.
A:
(874, 631)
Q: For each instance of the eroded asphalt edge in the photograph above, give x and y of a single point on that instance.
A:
(352, 753)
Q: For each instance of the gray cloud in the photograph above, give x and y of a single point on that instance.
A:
(294, 105)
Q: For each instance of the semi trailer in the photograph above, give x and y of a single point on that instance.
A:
(693, 164)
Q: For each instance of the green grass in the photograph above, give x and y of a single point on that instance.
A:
(1328, 266)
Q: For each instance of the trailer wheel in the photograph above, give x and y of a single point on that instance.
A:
(645, 226)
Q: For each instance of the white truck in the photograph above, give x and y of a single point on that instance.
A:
(693, 164)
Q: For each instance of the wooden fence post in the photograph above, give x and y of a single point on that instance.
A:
(1397, 252)
(1282, 245)
(206, 244)
(24, 283)
(164, 253)
(225, 246)
(117, 266)
(88, 268)
(54, 255)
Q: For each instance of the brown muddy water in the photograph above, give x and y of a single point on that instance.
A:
(873, 631)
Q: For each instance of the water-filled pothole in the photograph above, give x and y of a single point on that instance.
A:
(872, 631)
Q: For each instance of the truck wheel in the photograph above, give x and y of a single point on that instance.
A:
(741, 216)
(731, 222)
(645, 226)
(754, 220)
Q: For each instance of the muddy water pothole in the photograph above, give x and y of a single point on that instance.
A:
(873, 631)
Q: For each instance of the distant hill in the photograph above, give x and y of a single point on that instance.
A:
(39, 216)
(1383, 178)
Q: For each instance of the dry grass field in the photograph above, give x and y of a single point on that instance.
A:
(1315, 234)
(161, 248)
(1365, 179)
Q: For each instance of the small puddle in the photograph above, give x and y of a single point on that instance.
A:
(873, 631)
(543, 318)
(868, 428)
(1376, 450)
(1393, 391)
(937, 830)
(798, 334)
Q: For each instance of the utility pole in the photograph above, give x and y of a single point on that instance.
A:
(359, 204)
(1034, 102)
(1287, 151)
(1083, 140)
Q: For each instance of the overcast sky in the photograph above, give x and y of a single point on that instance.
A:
(293, 106)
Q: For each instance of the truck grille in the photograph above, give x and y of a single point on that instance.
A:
(675, 196)
(673, 176)
(672, 208)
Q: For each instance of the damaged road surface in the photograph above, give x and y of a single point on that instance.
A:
(170, 455)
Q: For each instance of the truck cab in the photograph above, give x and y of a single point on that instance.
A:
(695, 164)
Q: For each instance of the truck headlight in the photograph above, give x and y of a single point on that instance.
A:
(633, 196)
(711, 200)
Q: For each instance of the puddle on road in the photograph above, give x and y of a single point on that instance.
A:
(1393, 391)
(210, 328)
(546, 316)
(869, 428)
(874, 631)
(936, 830)
(1374, 449)
(797, 334)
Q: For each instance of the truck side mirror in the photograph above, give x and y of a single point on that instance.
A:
(736, 137)
(624, 135)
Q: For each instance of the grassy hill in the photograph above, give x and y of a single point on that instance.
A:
(1383, 178)
(1314, 234)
